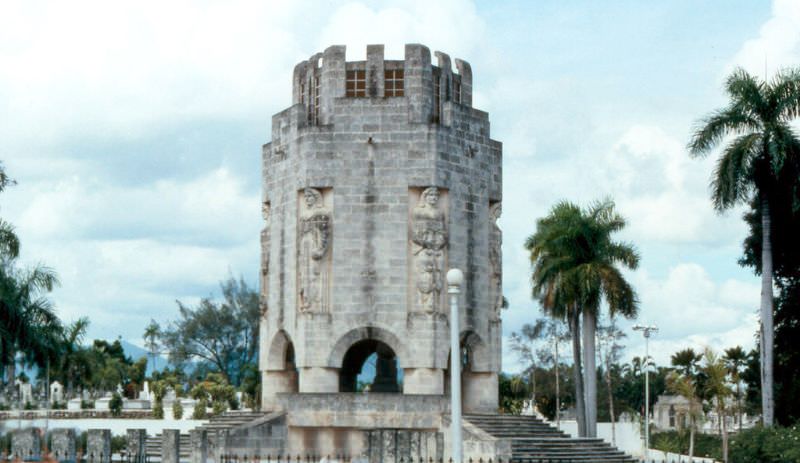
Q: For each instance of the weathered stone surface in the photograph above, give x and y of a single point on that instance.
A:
(98, 446)
(26, 444)
(135, 445)
(62, 444)
(352, 250)
(170, 446)
(198, 439)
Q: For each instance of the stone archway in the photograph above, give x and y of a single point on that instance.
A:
(369, 366)
(357, 346)
(280, 375)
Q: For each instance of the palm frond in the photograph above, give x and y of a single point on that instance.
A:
(9, 242)
(711, 130)
(731, 181)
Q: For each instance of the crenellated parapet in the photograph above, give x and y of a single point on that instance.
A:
(318, 82)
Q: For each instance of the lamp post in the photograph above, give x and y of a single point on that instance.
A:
(454, 280)
(646, 331)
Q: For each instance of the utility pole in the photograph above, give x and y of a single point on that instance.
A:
(454, 280)
(646, 330)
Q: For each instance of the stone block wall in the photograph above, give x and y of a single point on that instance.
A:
(352, 173)
(62, 446)
(98, 446)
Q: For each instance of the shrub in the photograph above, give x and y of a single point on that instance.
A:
(158, 410)
(118, 443)
(87, 404)
(199, 412)
(218, 407)
(58, 405)
(80, 445)
(177, 410)
(766, 445)
(705, 445)
(5, 443)
(115, 405)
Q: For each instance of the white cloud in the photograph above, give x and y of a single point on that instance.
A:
(777, 44)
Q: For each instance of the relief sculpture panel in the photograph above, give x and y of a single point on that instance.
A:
(313, 252)
(495, 261)
(428, 246)
(264, 272)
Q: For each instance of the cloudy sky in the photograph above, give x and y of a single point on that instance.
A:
(134, 130)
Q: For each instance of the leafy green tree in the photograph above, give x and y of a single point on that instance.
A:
(575, 268)
(785, 228)
(608, 337)
(718, 390)
(115, 405)
(223, 334)
(735, 361)
(152, 333)
(28, 323)
(763, 152)
(684, 383)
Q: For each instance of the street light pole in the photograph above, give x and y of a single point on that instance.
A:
(454, 280)
(646, 331)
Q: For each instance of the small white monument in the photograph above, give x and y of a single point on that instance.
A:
(56, 392)
(25, 392)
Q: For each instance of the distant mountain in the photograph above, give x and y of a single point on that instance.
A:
(135, 353)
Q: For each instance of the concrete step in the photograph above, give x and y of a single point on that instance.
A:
(533, 439)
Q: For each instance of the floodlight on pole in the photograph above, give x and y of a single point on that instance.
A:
(454, 280)
(646, 330)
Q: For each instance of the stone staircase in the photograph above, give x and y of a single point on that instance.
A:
(153, 447)
(226, 420)
(533, 440)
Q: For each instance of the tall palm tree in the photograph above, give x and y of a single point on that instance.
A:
(575, 267)
(763, 150)
(735, 360)
(28, 323)
(686, 361)
(73, 356)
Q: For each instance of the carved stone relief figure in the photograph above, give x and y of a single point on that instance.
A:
(265, 235)
(429, 239)
(313, 252)
(495, 258)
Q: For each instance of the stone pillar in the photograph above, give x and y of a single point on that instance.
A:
(465, 71)
(136, 439)
(332, 85)
(198, 439)
(375, 71)
(220, 444)
(170, 446)
(98, 446)
(479, 392)
(62, 447)
(26, 444)
(418, 84)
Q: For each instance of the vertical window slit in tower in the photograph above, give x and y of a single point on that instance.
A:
(436, 98)
(393, 82)
(356, 83)
(456, 91)
(316, 100)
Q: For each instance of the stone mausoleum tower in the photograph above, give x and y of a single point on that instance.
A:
(379, 178)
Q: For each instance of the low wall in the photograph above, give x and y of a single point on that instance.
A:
(365, 411)
(118, 426)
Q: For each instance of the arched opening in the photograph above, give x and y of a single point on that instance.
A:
(370, 365)
(281, 374)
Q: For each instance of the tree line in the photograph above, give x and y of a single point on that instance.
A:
(577, 266)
